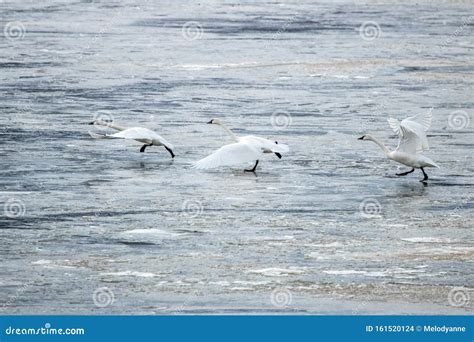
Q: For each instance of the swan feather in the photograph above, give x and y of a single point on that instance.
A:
(140, 134)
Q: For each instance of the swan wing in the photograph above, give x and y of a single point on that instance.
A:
(395, 125)
(422, 119)
(411, 133)
(232, 154)
(141, 134)
(412, 141)
(416, 133)
(266, 145)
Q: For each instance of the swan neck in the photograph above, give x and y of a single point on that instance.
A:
(381, 145)
(233, 136)
(111, 125)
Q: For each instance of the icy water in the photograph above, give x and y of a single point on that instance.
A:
(95, 227)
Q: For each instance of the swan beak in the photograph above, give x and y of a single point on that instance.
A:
(91, 123)
(210, 122)
(361, 138)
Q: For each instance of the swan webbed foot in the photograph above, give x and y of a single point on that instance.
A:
(278, 155)
(405, 173)
(425, 178)
(171, 152)
(253, 169)
(144, 147)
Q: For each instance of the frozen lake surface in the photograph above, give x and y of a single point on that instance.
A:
(95, 227)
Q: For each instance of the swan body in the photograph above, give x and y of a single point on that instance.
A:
(415, 161)
(245, 149)
(140, 134)
(412, 142)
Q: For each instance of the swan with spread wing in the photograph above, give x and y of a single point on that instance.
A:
(412, 142)
(244, 150)
(143, 135)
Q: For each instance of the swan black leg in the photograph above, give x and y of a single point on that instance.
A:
(425, 178)
(254, 167)
(171, 152)
(405, 173)
(276, 153)
(144, 147)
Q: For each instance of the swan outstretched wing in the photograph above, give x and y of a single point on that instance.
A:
(266, 145)
(412, 138)
(141, 134)
(232, 154)
(395, 125)
(412, 133)
(409, 142)
(422, 119)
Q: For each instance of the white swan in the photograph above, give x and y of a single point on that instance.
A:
(412, 142)
(244, 150)
(140, 134)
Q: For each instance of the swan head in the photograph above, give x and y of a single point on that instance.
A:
(365, 137)
(215, 121)
(99, 122)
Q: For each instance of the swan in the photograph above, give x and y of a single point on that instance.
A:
(244, 150)
(412, 142)
(140, 134)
